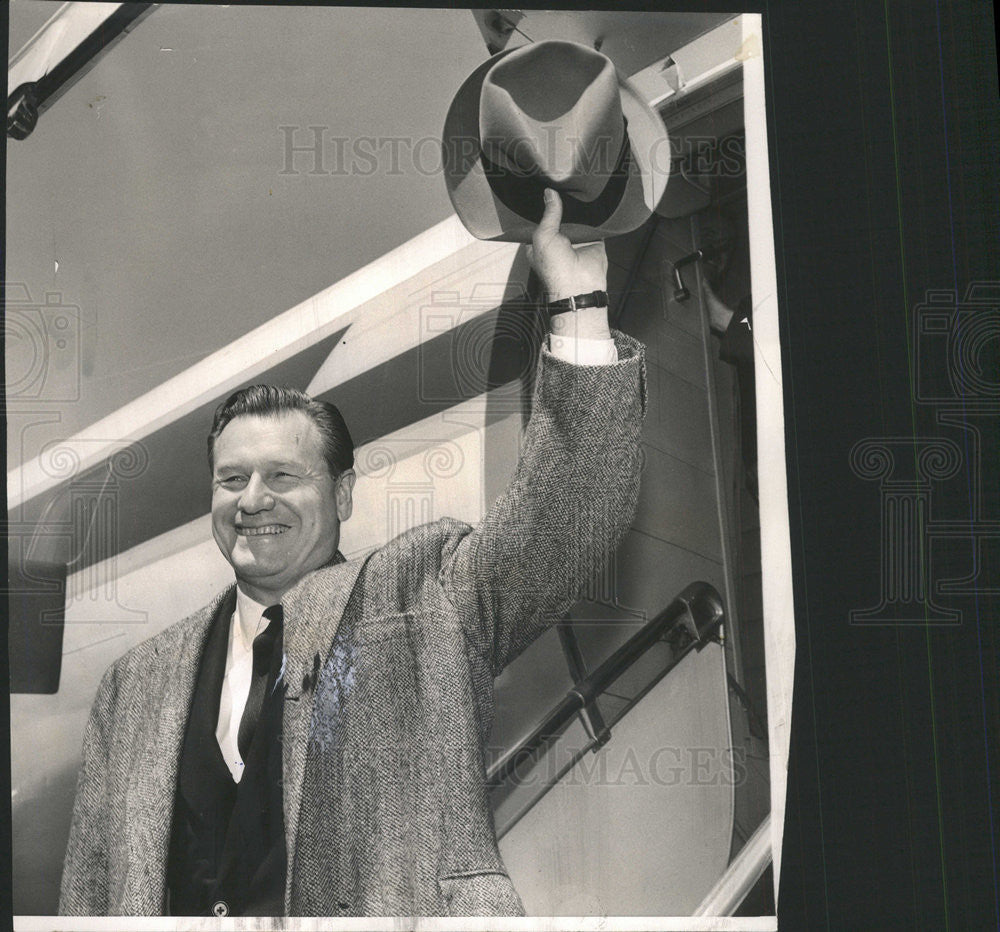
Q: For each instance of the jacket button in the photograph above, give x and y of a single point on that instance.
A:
(220, 908)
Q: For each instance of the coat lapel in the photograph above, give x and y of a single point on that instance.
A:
(313, 610)
(177, 667)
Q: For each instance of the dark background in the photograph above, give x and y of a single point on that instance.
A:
(884, 169)
(884, 136)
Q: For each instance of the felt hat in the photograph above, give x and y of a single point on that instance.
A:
(552, 114)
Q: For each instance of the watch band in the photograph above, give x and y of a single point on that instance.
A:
(577, 302)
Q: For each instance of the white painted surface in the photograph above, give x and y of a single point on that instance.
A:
(776, 554)
(60, 35)
(649, 822)
(268, 344)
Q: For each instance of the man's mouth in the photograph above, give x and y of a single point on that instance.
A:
(261, 531)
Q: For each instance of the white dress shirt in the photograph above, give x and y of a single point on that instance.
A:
(247, 621)
(583, 351)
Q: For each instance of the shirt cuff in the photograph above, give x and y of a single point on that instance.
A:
(583, 352)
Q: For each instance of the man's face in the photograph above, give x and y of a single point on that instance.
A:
(276, 510)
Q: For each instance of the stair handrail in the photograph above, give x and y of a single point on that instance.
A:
(687, 623)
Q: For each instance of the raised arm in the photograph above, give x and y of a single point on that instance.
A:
(574, 490)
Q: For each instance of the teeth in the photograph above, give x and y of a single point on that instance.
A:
(260, 531)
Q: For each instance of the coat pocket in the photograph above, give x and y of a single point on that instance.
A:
(480, 893)
(383, 628)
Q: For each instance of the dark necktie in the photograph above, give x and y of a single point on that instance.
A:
(267, 649)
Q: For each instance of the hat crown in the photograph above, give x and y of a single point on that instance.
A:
(553, 109)
(552, 114)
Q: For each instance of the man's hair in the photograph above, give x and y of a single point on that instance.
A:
(271, 400)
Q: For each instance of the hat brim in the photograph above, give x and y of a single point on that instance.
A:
(486, 217)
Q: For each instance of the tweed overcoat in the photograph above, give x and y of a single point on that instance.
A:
(389, 668)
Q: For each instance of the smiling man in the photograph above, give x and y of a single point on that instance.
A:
(281, 485)
(312, 742)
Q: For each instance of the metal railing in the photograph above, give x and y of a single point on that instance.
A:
(62, 52)
(690, 621)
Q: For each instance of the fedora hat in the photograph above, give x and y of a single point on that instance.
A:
(552, 114)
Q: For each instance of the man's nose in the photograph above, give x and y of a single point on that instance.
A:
(256, 496)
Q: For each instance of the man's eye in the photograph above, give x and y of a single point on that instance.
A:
(233, 482)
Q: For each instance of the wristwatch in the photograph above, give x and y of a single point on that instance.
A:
(578, 302)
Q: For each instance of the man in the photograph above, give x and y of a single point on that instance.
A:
(312, 742)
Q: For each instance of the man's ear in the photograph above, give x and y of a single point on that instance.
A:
(344, 494)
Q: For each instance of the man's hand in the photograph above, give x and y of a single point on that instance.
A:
(566, 270)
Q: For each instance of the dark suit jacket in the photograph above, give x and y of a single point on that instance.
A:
(389, 668)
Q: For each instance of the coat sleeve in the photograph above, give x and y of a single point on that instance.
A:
(84, 889)
(568, 505)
